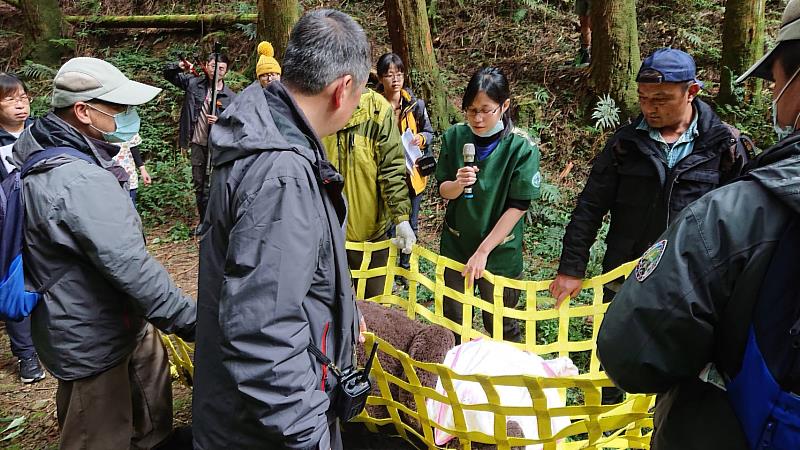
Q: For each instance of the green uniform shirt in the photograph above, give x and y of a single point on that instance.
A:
(511, 171)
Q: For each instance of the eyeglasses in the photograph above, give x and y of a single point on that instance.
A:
(394, 76)
(127, 110)
(20, 99)
(473, 113)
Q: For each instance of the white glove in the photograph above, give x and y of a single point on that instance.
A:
(404, 237)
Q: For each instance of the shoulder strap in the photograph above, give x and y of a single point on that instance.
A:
(52, 152)
(742, 143)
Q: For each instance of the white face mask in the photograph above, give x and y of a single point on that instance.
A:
(498, 127)
(784, 132)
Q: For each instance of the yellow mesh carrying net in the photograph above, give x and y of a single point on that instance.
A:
(570, 331)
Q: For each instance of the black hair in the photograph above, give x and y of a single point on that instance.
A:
(10, 83)
(491, 81)
(789, 54)
(386, 61)
(325, 45)
(223, 58)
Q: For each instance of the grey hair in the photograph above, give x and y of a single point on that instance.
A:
(325, 45)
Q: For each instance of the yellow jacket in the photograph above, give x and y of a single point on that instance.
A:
(369, 155)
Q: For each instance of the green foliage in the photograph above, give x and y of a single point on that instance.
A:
(137, 65)
(40, 105)
(67, 43)
(546, 222)
(606, 113)
(170, 197)
(532, 110)
(751, 118)
(695, 41)
(248, 29)
(177, 233)
(13, 429)
(35, 71)
(90, 6)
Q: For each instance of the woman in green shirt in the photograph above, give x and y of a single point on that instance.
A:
(485, 232)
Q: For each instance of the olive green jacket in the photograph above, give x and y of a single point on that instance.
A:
(370, 156)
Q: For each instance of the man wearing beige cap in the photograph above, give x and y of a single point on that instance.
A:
(103, 295)
(710, 318)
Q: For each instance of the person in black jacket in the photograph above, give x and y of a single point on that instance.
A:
(720, 282)
(15, 110)
(196, 118)
(677, 150)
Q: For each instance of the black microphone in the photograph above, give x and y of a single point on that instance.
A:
(469, 161)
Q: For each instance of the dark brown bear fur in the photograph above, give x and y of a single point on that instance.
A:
(422, 342)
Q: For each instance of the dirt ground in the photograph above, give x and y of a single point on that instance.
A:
(36, 402)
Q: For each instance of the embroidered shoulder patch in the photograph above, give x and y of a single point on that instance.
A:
(649, 261)
(536, 181)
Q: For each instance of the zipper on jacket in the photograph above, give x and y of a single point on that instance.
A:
(675, 174)
(324, 348)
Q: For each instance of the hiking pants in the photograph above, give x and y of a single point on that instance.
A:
(20, 337)
(199, 154)
(127, 406)
(379, 259)
(453, 311)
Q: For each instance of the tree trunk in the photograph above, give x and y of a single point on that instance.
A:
(276, 18)
(207, 21)
(42, 20)
(615, 52)
(742, 45)
(411, 40)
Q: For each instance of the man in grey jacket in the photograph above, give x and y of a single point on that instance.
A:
(273, 268)
(682, 321)
(85, 251)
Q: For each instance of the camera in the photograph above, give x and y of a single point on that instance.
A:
(353, 390)
(426, 164)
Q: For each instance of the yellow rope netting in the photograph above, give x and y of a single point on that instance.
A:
(546, 332)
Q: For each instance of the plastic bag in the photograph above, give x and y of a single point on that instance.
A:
(497, 358)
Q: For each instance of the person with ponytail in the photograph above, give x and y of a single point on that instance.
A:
(484, 231)
(267, 68)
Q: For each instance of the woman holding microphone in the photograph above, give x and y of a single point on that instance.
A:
(484, 219)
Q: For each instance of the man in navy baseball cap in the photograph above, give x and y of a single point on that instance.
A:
(668, 65)
(677, 150)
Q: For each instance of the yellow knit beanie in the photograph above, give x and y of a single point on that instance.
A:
(266, 60)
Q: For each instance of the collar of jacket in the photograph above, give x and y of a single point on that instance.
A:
(8, 138)
(710, 131)
(260, 120)
(371, 106)
(53, 131)
(407, 101)
(778, 152)
(777, 171)
(709, 128)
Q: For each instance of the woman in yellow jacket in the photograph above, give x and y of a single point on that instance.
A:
(410, 114)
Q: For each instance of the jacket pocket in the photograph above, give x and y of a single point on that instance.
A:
(701, 175)
(452, 230)
(637, 185)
